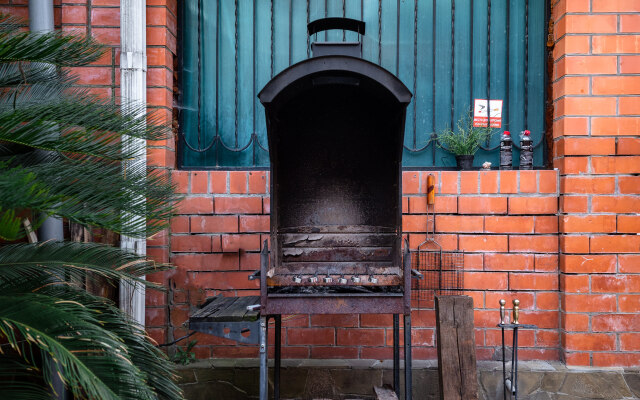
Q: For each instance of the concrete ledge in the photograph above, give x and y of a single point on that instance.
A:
(354, 379)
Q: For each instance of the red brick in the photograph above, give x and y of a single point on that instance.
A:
(572, 85)
(483, 243)
(628, 223)
(533, 281)
(630, 64)
(310, 336)
(577, 359)
(587, 65)
(214, 224)
(528, 182)
(574, 244)
(488, 182)
(615, 85)
(571, 126)
(468, 182)
(587, 264)
(257, 182)
(199, 182)
(588, 223)
(547, 301)
(74, 14)
(616, 323)
(218, 181)
(331, 320)
(574, 204)
(589, 146)
(248, 261)
(360, 337)
(494, 337)
(508, 224)
(629, 303)
(629, 184)
(615, 6)
(615, 204)
(93, 75)
(422, 319)
(589, 303)
(572, 165)
(616, 359)
(628, 106)
(548, 181)
(180, 225)
(629, 263)
(616, 165)
(238, 205)
(533, 205)
(482, 205)
(508, 262)
(195, 205)
(414, 223)
(582, 23)
(544, 224)
(508, 181)
(615, 284)
(207, 262)
(589, 342)
(375, 320)
(459, 223)
(606, 126)
(332, 352)
(155, 316)
(410, 182)
(223, 280)
(254, 223)
(546, 262)
(449, 182)
(535, 244)
(485, 280)
(615, 244)
(630, 23)
(588, 185)
(237, 182)
(191, 243)
(575, 322)
(233, 243)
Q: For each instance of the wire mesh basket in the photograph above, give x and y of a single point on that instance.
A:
(442, 272)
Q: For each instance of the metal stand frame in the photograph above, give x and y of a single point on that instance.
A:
(510, 383)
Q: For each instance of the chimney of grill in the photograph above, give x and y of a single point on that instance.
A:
(343, 48)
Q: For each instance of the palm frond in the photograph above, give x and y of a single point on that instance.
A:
(57, 48)
(24, 266)
(92, 361)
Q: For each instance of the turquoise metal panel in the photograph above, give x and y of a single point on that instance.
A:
(441, 56)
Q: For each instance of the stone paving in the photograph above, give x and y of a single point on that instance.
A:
(237, 379)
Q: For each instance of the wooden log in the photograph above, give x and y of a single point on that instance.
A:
(456, 348)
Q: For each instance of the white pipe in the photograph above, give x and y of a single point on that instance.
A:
(133, 89)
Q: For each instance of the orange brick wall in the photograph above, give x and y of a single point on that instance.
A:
(597, 150)
(506, 222)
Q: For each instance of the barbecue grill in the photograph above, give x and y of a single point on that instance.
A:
(335, 125)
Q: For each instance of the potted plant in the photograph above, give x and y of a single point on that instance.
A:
(465, 141)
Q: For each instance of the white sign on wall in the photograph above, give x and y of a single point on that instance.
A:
(482, 111)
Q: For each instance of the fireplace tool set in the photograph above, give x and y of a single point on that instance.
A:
(511, 380)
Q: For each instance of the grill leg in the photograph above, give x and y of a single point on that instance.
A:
(276, 370)
(407, 356)
(396, 353)
(264, 381)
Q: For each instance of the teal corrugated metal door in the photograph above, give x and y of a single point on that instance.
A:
(232, 48)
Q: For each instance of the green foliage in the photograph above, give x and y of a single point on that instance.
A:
(186, 356)
(467, 139)
(61, 154)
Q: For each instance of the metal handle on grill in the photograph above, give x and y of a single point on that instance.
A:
(325, 24)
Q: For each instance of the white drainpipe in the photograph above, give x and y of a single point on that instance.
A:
(133, 89)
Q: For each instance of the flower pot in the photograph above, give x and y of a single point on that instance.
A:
(464, 161)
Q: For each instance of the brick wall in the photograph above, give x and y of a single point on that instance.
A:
(506, 222)
(597, 150)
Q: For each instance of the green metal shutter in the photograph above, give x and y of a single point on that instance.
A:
(231, 48)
